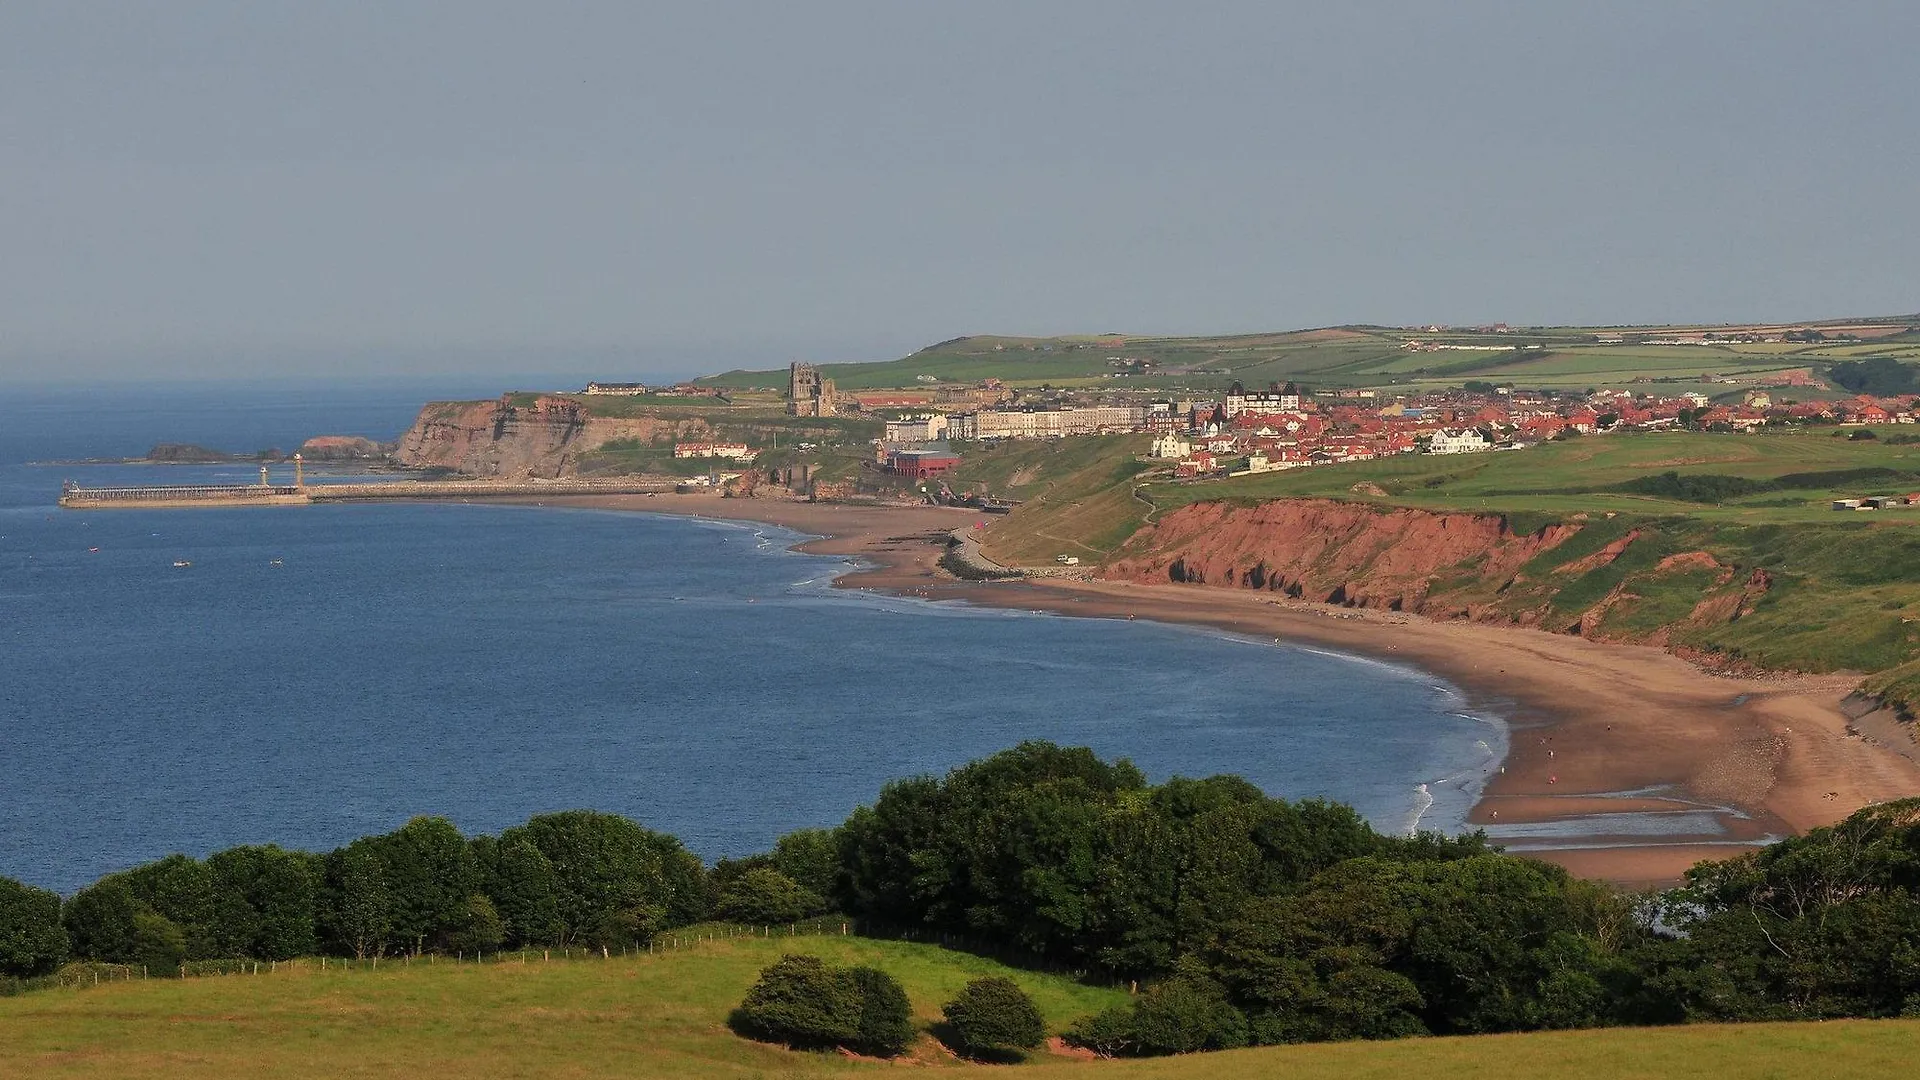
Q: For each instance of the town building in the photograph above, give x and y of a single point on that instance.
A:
(1273, 400)
(1463, 441)
(626, 389)
(916, 429)
(731, 451)
(1046, 423)
(1170, 447)
(922, 462)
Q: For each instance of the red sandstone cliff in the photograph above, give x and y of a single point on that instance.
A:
(1339, 553)
(544, 438)
(1449, 565)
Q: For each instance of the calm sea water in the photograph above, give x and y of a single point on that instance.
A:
(322, 673)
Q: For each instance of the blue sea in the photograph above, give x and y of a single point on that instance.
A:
(321, 673)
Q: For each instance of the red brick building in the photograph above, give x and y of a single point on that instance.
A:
(920, 464)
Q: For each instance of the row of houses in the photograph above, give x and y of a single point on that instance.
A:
(728, 450)
(1046, 423)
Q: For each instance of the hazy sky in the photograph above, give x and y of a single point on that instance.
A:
(630, 188)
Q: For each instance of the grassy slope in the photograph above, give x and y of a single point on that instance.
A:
(1349, 356)
(1076, 495)
(665, 1016)
(659, 1015)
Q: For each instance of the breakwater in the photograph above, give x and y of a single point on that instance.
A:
(184, 495)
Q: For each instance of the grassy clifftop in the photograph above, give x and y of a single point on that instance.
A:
(1736, 555)
(665, 1015)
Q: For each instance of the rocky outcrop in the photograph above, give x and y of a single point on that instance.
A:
(189, 454)
(542, 438)
(1334, 552)
(341, 448)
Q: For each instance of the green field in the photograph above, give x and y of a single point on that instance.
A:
(1575, 476)
(665, 1015)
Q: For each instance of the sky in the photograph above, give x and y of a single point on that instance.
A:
(262, 188)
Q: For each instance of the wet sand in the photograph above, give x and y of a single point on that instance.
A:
(1637, 762)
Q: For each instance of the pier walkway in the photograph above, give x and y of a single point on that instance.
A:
(75, 496)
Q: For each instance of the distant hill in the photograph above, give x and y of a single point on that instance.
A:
(1357, 356)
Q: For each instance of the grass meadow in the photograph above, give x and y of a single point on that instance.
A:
(665, 1015)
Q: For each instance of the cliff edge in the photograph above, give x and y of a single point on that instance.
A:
(1606, 579)
(541, 439)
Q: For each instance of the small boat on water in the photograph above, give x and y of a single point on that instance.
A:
(181, 563)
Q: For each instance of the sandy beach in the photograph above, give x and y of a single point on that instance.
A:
(1627, 763)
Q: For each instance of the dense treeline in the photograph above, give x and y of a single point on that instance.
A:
(573, 878)
(1244, 919)
(1881, 376)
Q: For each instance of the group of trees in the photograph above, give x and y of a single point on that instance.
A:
(1245, 919)
(572, 878)
(1880, 376)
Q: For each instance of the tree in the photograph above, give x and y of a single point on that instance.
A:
(1815, 926)
(429, 872)
(32, 941)
(811, 857)
(283, 889)
(100, 921)
(479, 927)
(759, 897)
(180, 888)
(159, 944)
(954, 852)
(608, 870)
(520, 881)
(360, 907)
(994, 1014)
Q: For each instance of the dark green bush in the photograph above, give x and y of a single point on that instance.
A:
(1182, 1015)
(1108, 1033)
(886, 1017)
(802, 1001)
(993, 1013)
(1179, 1016)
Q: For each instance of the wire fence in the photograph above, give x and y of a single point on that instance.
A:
(87, 974)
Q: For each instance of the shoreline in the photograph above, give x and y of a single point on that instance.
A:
(1624, 762)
